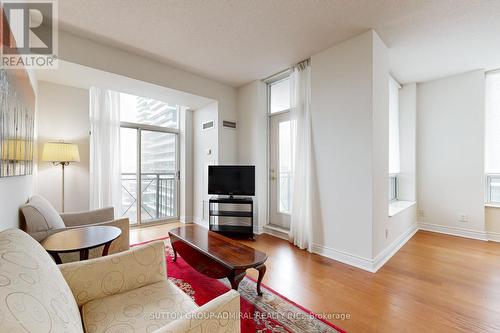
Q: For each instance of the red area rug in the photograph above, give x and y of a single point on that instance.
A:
(271, 312)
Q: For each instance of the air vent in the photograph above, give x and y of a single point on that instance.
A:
(229, 124)
(208, 125)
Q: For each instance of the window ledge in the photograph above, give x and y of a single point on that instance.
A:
(492, 205)
(398, 206)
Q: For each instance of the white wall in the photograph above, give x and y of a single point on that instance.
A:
(252, 141)
(63, 114)
(492, 217)
(451, 151)
(408, 142)
(380, 144)
(395, 230)
(341, 105)
(204, 140)
(14, 192)
(85, 52)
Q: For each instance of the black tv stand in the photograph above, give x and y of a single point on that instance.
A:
(233, 228)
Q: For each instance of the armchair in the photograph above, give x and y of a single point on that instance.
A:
(42, 220)
(124, 292)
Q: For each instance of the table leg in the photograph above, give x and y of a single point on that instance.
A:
(235, 278)
(56, 257)
(105, 250)
(262, 271)
(84, 254)
(175, 254)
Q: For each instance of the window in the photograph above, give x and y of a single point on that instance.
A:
(492, 138)
(285, 166)
(147, 111)
(394, 154)
(393, 187)
(280, 151)
(280, 96)
(148, 140)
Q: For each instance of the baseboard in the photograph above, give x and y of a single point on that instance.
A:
(201, 222)
(494, 236)
(186, 219)
(370, 265)
(276, 232)
(344, 257)
(393, 248)
(258, 230)
(454, 231)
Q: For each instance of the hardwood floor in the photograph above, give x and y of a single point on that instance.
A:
(435, 283)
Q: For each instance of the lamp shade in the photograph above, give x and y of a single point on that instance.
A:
(60, 152)
(16, 150)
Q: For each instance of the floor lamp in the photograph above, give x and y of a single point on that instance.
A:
(61, 153)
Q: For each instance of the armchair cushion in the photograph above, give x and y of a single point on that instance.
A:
(35, 297)
(220, 315)
(145, 309)
(117, 273)
(41, 217)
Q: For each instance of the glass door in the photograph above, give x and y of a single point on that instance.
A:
(149, 157)
(159, 181)
(129, 158)
(154, 170)
(280, 170)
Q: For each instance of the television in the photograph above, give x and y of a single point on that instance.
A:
(231, 179)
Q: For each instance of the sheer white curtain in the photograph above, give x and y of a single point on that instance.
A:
(301, 215)
(105, 172)
(394, 158)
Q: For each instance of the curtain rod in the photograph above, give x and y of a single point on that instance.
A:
(287, 71)
(277, 75)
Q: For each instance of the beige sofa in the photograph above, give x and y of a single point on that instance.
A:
(42, 220)
(124, 292)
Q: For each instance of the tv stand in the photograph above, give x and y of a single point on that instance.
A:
(234, 228)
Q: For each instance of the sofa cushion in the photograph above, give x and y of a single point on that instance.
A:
(34, 297)
(41, 217)
(145, 309)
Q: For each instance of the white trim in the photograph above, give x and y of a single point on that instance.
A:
(203, 223)
(491, 205)
(493, 236)
(370, 265)
(343, 257)
(394, 247)
(454, 231)
(278, 76)
(152, 128)
(186, 219)
(398, 206)
(276, 232)
(258, 230)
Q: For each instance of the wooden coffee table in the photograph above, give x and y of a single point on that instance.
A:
(80, 240)
(216, 256)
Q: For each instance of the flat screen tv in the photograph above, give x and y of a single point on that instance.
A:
(231, 179)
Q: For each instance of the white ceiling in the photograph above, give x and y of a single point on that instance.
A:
(243, 40)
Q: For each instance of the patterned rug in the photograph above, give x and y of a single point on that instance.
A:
(271, 312)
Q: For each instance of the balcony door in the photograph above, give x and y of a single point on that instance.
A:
(149, 160)
(149, 163)
(280, 170)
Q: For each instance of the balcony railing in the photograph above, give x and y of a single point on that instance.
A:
(285, 192)
(158, 196)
